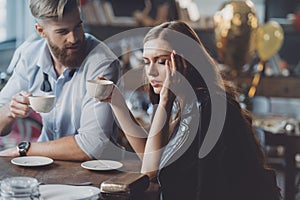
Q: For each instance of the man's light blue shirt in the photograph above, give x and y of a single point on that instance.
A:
(74, 112)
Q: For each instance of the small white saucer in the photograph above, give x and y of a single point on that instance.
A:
(68, 192)
(32, 161)
(101, 165)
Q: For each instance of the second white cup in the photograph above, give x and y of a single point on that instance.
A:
(99, 89)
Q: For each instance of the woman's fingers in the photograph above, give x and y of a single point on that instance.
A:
(101, 78)
(168, 70)
(173, 64)
(108, 99)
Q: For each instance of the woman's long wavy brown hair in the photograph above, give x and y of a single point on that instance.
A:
(195, 79)
(191, 73)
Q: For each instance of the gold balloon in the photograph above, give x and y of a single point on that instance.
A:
(235, 26)
(269, 40)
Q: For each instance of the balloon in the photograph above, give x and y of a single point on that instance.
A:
(235, 28)
(269, 39)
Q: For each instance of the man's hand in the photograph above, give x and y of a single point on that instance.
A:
(11, 152)
(19, 105)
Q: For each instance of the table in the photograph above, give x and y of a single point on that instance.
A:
(63, 172)
(291, 144)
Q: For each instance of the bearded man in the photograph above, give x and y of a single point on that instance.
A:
(59, 63)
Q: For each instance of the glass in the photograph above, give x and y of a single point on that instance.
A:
(15, 188)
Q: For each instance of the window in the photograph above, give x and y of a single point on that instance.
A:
(16, 21)
(3, 20)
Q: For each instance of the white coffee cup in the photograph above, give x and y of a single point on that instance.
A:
(99, 89)
(42, 104)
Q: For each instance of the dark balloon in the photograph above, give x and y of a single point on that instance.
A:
(235, 29)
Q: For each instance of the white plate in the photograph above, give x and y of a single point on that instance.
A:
(68, 192)
(32, 161)
(101, 165)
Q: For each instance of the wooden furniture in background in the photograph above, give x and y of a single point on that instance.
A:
(291, 148)
(287, 87)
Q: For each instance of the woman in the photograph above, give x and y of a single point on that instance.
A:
(190, 157)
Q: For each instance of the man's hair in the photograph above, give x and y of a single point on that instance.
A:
(52, 9)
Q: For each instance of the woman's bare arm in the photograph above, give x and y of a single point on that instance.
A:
(133, 131)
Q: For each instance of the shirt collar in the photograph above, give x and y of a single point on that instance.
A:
(45, 60)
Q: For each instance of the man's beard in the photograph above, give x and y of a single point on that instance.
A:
(72, 60)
